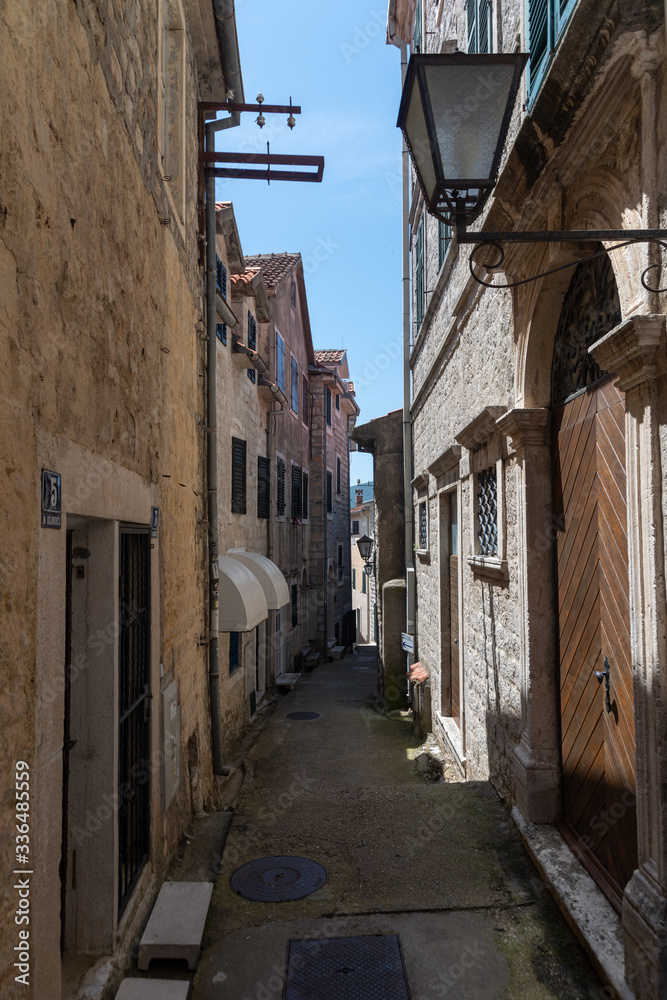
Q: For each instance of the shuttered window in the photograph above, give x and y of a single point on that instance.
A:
(280, 362)
(238, 476)
(354, 578)
(263, 486)
(280, 487)
(294, 600)
(221, 277)
(328, 404)
(329, 493)
(221, 332)
(304, 496)
(419, 274)
(295, 385)
(296, 491)
(338, 476)
(479, 25)
(233, 652)
(444, 239)
(252, 343)
(355, 527)
(546, 22)
(305, 409)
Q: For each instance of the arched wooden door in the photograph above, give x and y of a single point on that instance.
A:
(590, 503)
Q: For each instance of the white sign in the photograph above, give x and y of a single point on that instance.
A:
(407, 642)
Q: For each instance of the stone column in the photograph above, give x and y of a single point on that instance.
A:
(635, 351)
(537, 758)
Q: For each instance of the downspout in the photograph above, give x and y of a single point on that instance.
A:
(325, 519)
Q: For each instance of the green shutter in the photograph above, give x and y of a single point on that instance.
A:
(471, 11)
(444, 239)
(539, 40)
(238, 476)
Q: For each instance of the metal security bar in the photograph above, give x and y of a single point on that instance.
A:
(487, 512)
(134, 776)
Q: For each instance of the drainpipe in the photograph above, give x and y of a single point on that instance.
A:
(325, 519)
(228, 43)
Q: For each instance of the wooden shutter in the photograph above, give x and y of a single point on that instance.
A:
(328, 398)
(252, 331)
(338, 476)
(280, 362)
(296, 491)
(539, 30)
(295, 385)
(280, 487)
(263, 486)
(304, 415)
(220, 277)
(329, 493)
(238, 476)
(304, 496)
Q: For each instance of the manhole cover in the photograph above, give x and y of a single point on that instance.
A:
(357, 968)
(302, 716)
(275, 880)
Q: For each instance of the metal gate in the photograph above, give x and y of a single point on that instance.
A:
(133, 709)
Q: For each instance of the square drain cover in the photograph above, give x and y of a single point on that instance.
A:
(354, 968)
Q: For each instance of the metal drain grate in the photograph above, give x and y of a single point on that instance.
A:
(302, 716)
(357, 968)
(278, 879)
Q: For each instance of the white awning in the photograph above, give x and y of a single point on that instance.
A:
(274, 585)
(242, 601)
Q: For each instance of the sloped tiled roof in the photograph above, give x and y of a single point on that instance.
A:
(349, 385)
(245, 277)
(275, 266)
(222, 204)
(329, 357)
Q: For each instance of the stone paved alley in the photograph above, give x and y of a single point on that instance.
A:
(438, 863)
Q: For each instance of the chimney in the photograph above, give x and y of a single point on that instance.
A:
(360, 497)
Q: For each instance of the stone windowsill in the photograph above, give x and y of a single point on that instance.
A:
(490, 566)
(422, 552)
(454, 739)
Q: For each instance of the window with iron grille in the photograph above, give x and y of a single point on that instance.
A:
(280, 487)
(546, 20)
(355, 527)
(329, 492)
(239, 448)
(328, 404)
(234, 650)
(419, 275)
(479, 26)
(263, 486)
(221, 277)
(444, 239)
(295, 604)
(252, 344)
(295, 385)
(280, 362)
(304, 411)
(487, 511)
(304, 496)
(417, 33)
(338, 476)
(296, 492)
(423, 525)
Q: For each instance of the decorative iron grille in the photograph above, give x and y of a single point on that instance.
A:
(423, 526)
(487, 512)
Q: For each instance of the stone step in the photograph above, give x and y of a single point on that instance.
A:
(288, 680)
(153, 989)
(338, 652)
(176, 924)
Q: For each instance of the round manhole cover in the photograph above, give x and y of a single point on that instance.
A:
(276, 880)
(302, 716)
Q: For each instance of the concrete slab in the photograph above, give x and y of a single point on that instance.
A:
(288, 680)
(153, 989)
(176, 924)
(338, 652)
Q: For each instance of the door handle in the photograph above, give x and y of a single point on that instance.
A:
(603, 675)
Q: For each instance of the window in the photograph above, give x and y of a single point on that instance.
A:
(263, 486)
(280, 362)
(479, 26)
(295, 605)
(304, 404)
(280, 487)
(338, 476)
(296, 491)
(328, 404)
(234, 646)
(419, 274)
(304, 496)
(546, 22)
(220, 277)
(355, 527)
(338, 401)
(252, 344)
(295, 385)
(221, 332)
(363, 581)
(340, 555)
(417, 33)
(487, 512)
(444, 239)
(329, 492)
(423, 526)
(238, 476)
(354, 578)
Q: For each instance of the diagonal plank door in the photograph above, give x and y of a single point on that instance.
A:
(598, 747)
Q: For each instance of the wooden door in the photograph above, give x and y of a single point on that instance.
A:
(597, 734)
(454, 608)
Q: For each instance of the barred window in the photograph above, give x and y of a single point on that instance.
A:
(487, 512)
(423, 525)
(280, 487)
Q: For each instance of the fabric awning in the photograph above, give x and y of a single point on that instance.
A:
(242, 601)
(273, 583)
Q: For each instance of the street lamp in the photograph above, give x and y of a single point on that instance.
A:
(365, 546)
(455, 114)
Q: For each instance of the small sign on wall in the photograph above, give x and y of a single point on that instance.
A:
(51, 499)
(155, 516)
(407, 642)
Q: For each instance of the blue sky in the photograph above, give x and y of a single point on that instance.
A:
(334, 62)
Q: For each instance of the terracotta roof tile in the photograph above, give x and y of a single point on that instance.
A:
(222, 204)
(274, 266)
(329, 357)
(349, 385)
(245, 277)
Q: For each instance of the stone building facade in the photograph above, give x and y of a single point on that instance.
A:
(101, 316)
(539, 455)
(362, 522)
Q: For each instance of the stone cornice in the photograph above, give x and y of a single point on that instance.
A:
(481, 428)
(630, 350)
(449, 458)
(525, 427)
(420, 482)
